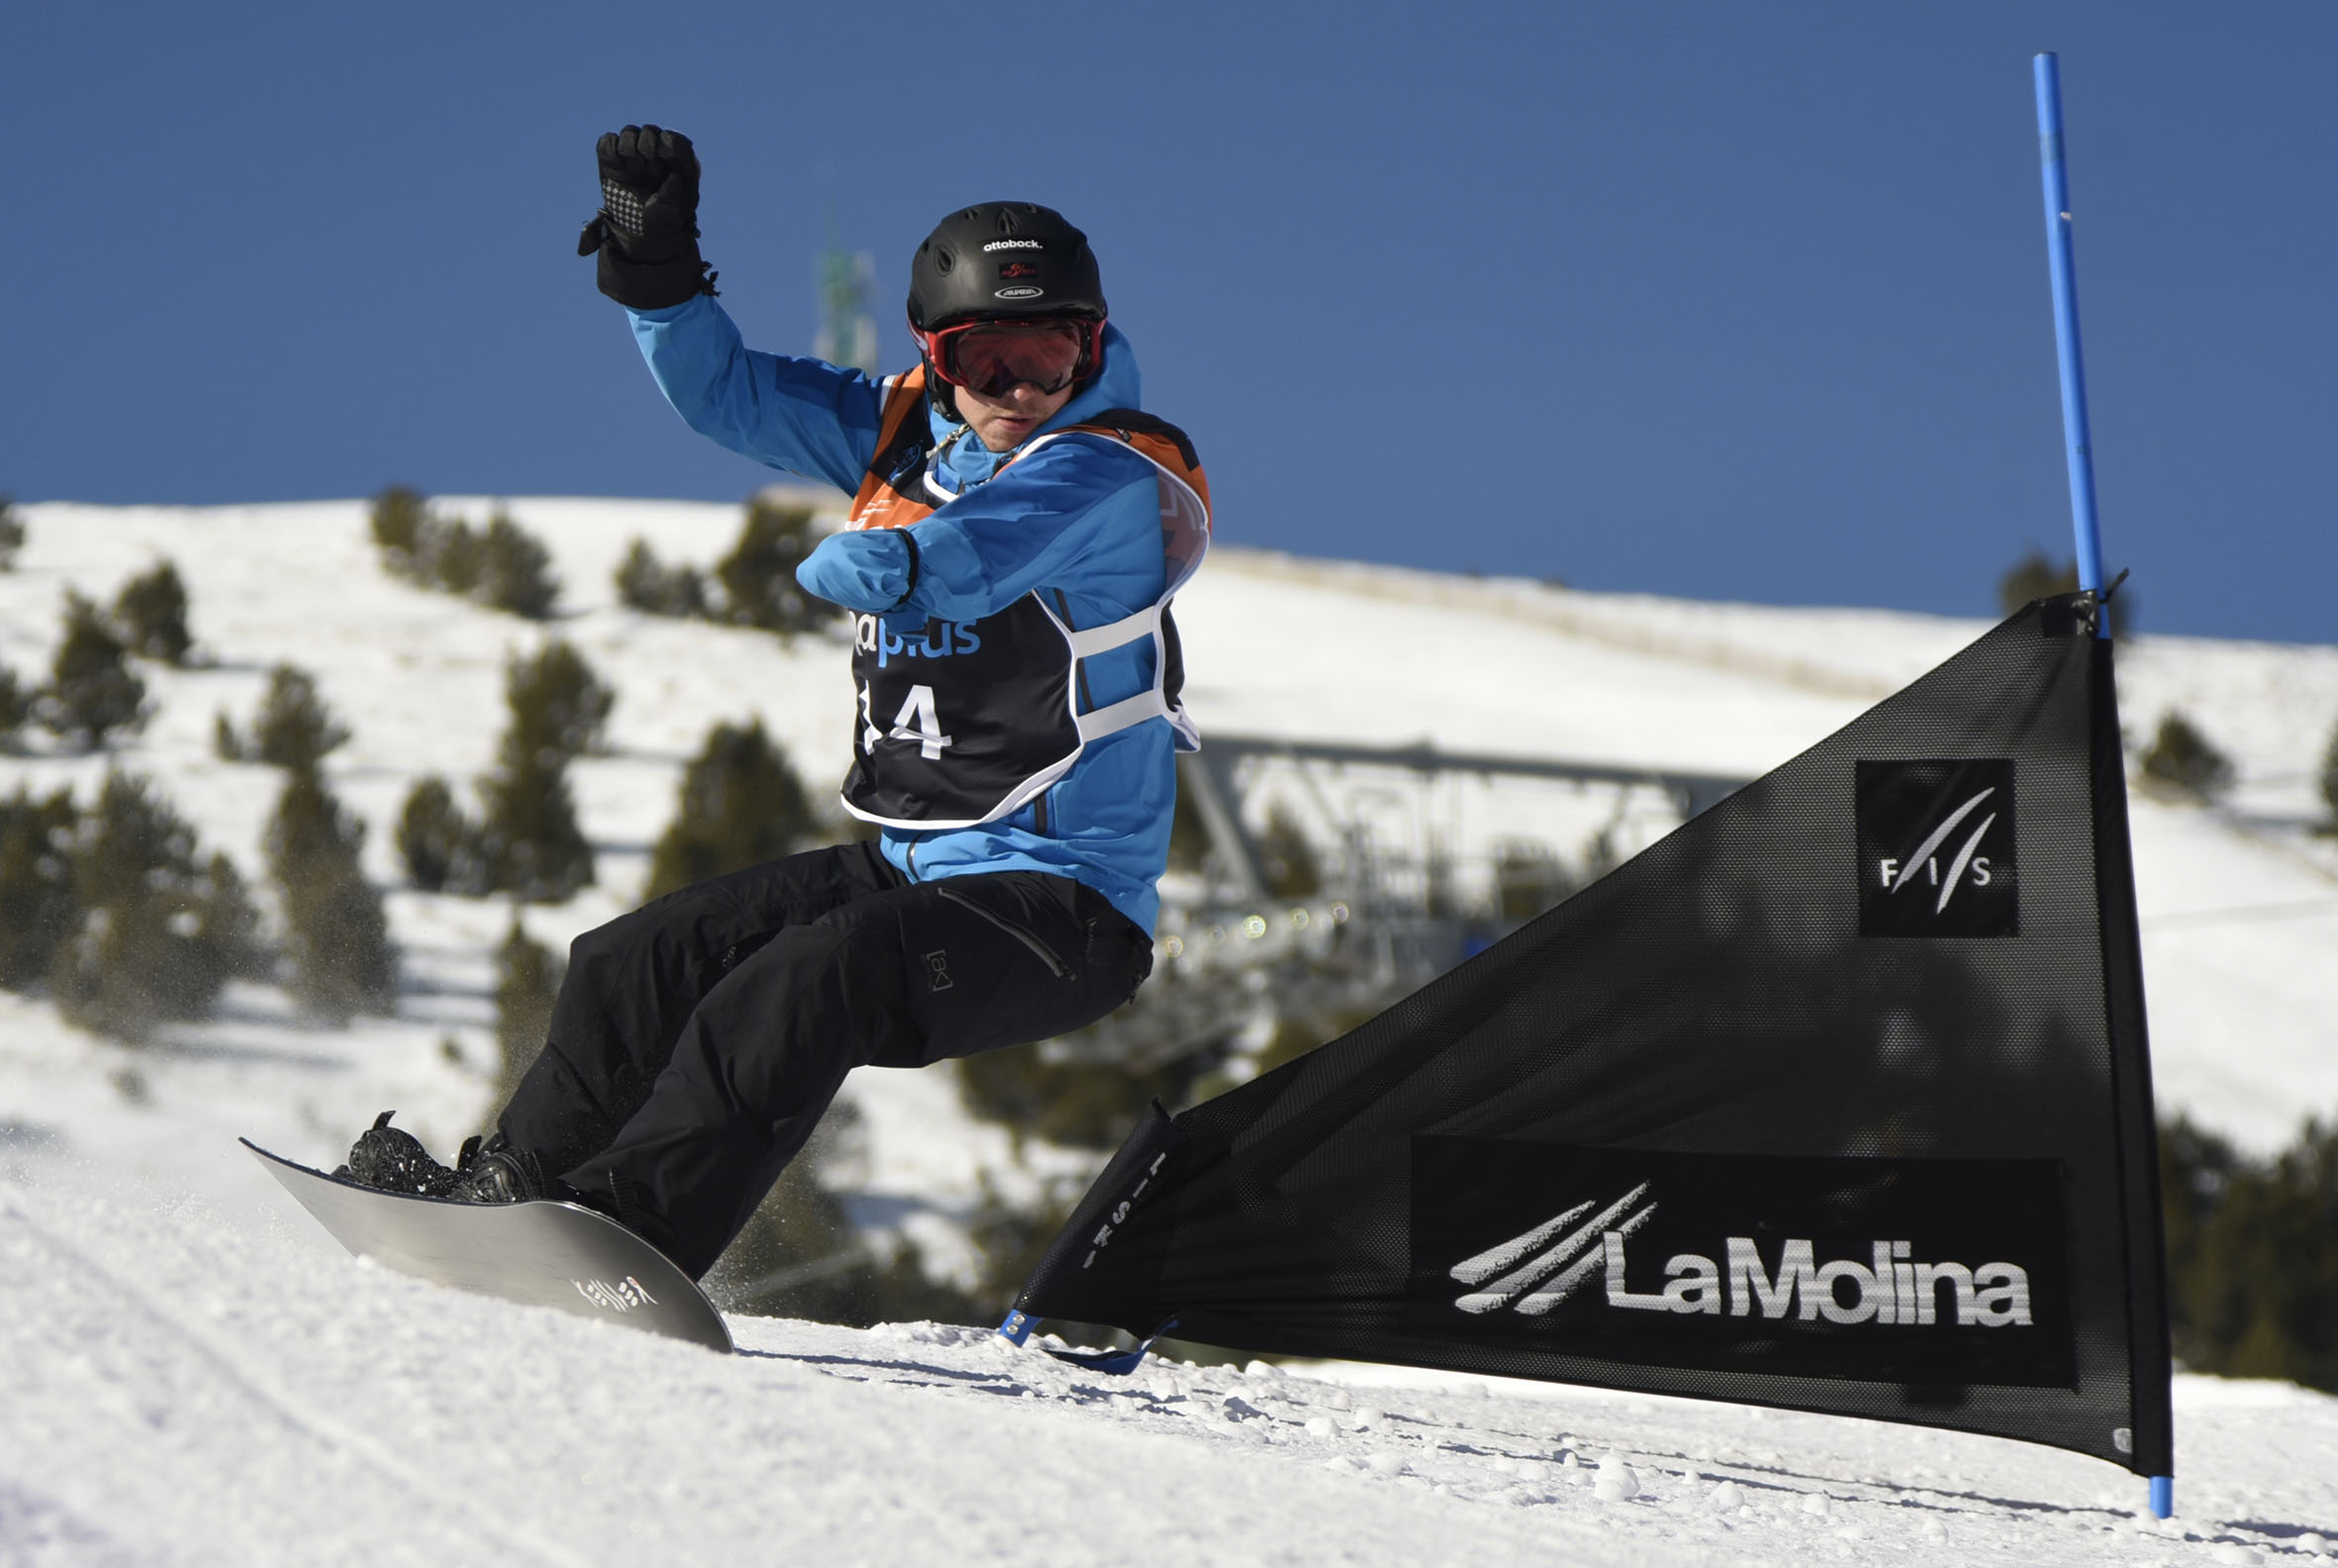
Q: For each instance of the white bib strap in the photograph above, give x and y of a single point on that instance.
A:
(1118, 634)
(1115, 717)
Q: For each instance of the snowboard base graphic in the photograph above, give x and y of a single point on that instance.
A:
(538, 1255)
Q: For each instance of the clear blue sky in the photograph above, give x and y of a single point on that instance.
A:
(1720, 300)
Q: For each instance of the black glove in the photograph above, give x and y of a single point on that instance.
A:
(646, 230)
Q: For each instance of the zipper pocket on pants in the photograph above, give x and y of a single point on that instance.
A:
(1022, 933)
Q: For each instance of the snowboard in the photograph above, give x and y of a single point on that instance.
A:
(539, 1254)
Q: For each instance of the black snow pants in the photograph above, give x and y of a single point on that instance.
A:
(695, 1041)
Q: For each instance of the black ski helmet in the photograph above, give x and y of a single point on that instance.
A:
(1002, 260)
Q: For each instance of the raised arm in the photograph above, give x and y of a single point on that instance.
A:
(799, 415)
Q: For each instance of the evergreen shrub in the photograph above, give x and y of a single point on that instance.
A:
(503, 566)
(649, 585)
(2184, 760)
(527, 841)
(37, 908)
(453, 557)
(758, 576)
(336, 937)
(559, 707)
(2253, 1254)
(439, 842)
(92, 691)
(396, 518)
(160, 929)
(2328, 781)
(530, 842)
(12, 533)
(526, 981)
(741, 805)
(293, 729)
(515, 572)
(150, 614)
(16, 706)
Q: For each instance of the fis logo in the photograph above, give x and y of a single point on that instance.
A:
(1936, 849)
(1535, 1271)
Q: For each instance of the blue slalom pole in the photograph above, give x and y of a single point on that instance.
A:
(2077, 439)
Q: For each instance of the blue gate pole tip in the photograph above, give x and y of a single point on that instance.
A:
(1016, 1328)
(2163, 1495)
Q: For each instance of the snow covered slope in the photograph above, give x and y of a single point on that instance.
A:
(182, 1385)
(188, 1372)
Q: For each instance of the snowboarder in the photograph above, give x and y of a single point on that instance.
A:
(1016, 531)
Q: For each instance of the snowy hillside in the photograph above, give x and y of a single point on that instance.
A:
(191, 1373)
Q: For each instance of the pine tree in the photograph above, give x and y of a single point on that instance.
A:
(2253, 1254)
(2328, 781)
(336, 937)
(150, 614)
(439, 843)
(453, 557)
(647, 584)
(559, 708)
(530, 838)
(740, 804)
(516, 570)
(294, 727)
(16, 707)
(231, 924)
(758, 576)
(2036, 575)
(37, 908)
(159, 931)
(91, 690)
(12, 533)
(2184, 760)
(526, 981)
(399, 518)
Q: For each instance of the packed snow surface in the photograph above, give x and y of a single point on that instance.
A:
(191, 1372)
(181, 1384)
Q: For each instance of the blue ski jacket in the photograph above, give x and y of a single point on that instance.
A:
(1079, 517)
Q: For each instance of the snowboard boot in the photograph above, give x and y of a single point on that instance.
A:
(392, 1159)
(498, 1171)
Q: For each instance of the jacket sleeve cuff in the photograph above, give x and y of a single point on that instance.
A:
(869, 572)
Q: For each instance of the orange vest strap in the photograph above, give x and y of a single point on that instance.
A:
(907, 396)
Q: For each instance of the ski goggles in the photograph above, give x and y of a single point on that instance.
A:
(992, 357)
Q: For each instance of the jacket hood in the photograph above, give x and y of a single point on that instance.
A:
(966, 461)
